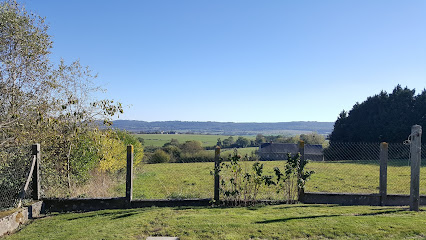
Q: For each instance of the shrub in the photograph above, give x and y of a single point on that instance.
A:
(292, 181)
(241, 186)
(174, 152)
(202, 156)
(191, 147)
(159, 156)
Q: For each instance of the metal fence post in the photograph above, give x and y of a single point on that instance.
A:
(301, 191)
(129, 174)
(384, 147)
(415, 151)
(36, 172)
(216, 174)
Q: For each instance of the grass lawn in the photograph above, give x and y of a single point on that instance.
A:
(264, 222)
(158, 140)
(193, 180)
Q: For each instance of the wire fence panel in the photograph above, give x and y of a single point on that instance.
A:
(15, 164)
(347, 168)
(340, 167)
(399, 169)
(173, 181)
(77, 178)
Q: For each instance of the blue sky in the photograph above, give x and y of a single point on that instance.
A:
(241, 60)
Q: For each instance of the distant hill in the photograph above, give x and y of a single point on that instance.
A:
(226, 128)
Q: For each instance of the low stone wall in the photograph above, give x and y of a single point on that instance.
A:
(93, 204)
(171, 203)
(357, 199)
(83, 204)
(12, 222)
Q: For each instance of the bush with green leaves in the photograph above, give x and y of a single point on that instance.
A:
(159, 156)
(292, 180)
(240, 186)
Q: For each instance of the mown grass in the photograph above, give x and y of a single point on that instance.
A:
(158, 140)
(263, 222)
(193, 180)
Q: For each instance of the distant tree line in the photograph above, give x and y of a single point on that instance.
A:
(310, 138)
(222, 128)
(159, 132)
(173, 151)
(193, 151)
(240, 142)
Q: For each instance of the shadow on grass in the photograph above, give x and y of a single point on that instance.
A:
(294, 218)
(114, 215)
(307, 206)
(330, 215)
(259, 206)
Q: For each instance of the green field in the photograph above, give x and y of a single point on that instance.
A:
(193, 180)
(297, 221)
(158, 140)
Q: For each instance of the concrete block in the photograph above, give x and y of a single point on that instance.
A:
(10, 223)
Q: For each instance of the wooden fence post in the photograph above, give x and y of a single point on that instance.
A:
(415, 151)
(36, 172)
(216, 174)
(383, 172)
(302, 150)
(129, 174)
(301, 191)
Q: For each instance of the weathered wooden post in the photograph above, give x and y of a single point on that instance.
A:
(301, 191)
(129, 174)
(36, 172)
(302, 150)
(216, 174)
(384, 147)
(415, 151)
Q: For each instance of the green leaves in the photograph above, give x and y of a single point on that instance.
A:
(241, 186)
(292, 181)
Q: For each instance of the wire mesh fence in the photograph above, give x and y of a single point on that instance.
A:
(399, 169)
(174, 181)
(183, 175)
(15, 164)
(75, 177)
(355, 168)
(347, 167)
(339, 167)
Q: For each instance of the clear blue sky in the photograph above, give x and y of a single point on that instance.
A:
(242, 61)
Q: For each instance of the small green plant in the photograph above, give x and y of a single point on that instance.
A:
(292, 181)
(241, 186)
